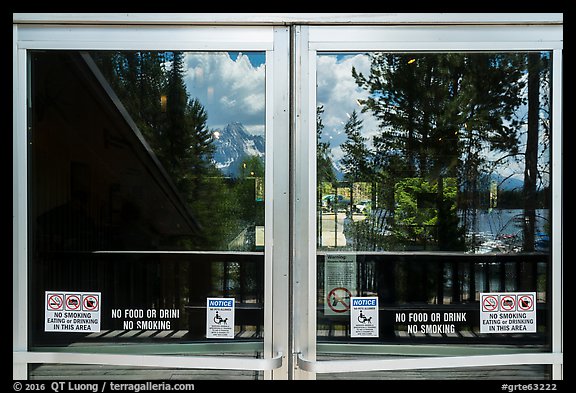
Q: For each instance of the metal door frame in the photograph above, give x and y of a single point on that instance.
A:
(291, 42)
(274, 41)
(310, 40)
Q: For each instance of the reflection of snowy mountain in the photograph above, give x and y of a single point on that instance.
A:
(233, 144)
(484, 179)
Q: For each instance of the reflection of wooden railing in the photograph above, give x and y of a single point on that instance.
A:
(138, 279)
(441, 282)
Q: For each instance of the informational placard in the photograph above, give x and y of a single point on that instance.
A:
(146, 318)
(220, 317)
(431, 322)
(364, 317)
(72, 311)
(508, 312)
(340, 271)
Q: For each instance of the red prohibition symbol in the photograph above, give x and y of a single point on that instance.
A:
(55, 302)
(73, 302)
(339, 296)
(90, 303)
(490, 303)
(526, 303)
(508, 303)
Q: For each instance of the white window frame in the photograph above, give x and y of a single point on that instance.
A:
(311, 40)
(274, 41)
(290, 300)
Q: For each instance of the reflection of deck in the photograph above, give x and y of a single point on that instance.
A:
(464, 374)
(402, 334)
(103, 372)
(450, 331)
(244, 332)
(99, 372)
(87, 372)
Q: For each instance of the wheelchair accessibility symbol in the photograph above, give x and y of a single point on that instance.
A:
(219, 320)
(364, 316)
(220, 317)
(364, 319)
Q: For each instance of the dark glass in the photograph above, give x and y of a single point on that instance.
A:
(116, 374)
(412, 287)
(434, 184)
(128, 197)
(525, 372)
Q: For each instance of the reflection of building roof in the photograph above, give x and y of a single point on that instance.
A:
(173, 218)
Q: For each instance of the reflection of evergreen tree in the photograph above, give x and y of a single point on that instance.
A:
(251, 166)
(357, 161)
(325, 169)
(152, 89)
(489, 96)
(536, 66)
(177, 139)
(138, 78)
(437, 113)
(188, 150)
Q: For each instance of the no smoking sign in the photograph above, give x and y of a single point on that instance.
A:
(77, 312)
(508, 312)
(490, 303)
(339, 299)
(55, 302)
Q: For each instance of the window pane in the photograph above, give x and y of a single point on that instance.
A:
(119, 373)
(501, 372)
(146, 184)
(433, 188)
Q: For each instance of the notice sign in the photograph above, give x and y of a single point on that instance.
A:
(508, 312)
(364, 317)
(339, 283)
(219, 317)
(72, 312)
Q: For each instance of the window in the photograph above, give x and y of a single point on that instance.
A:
(146, 187)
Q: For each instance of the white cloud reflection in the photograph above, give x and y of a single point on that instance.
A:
(231, 86)
(339, 94)
(231, 89)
